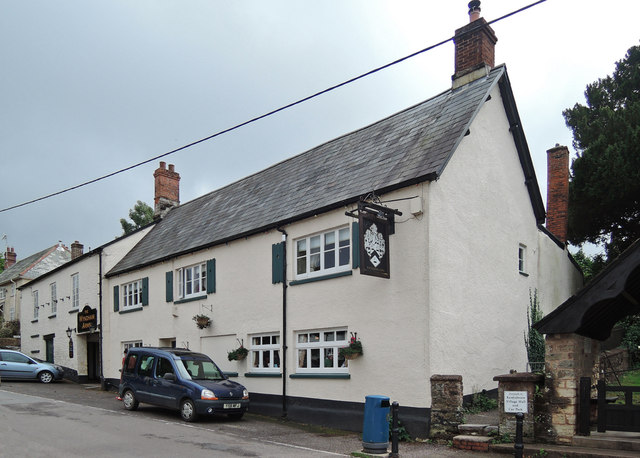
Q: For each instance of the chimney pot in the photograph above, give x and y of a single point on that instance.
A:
(474, 10)
(558, 192)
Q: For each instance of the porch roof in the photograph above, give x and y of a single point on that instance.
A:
(596, 308)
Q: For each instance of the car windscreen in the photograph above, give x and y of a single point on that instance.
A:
(195, 368)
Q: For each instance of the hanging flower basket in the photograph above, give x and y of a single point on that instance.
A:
(202, 321)
(239, 353)
(353, 350)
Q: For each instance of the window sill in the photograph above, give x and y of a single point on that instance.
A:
(34, 336)
(74, 311)
(346, 273)
(524, 274)
(52, 316)
(34, 321)
(35, 351)
(191, 299)
(137, 309)
(264, 374)
(323, 375)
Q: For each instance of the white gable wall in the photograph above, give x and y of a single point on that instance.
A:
(480, 212)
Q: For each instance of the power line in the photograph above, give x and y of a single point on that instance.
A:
(265, 115)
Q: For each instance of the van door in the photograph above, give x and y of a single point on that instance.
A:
(142, 383)
(167, 393)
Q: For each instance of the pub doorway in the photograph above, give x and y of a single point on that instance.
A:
(93, 361)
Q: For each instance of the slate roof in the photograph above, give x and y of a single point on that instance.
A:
(28, 267)
(411, 146)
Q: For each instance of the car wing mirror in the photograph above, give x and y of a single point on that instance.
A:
(170, 377)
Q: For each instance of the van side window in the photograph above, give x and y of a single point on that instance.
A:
(163, 367)
(146, 366)
(130, 364)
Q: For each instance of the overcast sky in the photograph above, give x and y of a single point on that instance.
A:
(91, 87)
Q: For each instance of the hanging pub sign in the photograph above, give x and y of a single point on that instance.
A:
(374, 244)
(87, 319)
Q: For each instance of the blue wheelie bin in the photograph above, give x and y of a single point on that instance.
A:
(375, 427)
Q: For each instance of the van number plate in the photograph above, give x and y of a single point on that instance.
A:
(231, 406)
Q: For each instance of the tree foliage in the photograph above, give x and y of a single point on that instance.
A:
(590, 265)
(604, 193)
(141, 214)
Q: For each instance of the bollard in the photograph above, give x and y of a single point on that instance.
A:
(519, 446)
(394, 430)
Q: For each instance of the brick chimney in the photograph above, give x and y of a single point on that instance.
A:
(558, 192)
(77, 249)
(475, 48)
(9, 258)
(167, 190)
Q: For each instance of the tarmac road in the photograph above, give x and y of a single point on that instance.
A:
(89, 421)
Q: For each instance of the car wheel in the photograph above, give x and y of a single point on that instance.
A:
(188, 410)
(45, 377)
(236, 416)
(129, 400)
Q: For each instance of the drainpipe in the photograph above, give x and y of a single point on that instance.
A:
(103, 385)
(283, 362)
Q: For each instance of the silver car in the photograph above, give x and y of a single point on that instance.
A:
(16, 365)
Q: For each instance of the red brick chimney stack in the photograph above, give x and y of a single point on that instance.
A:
(474, 48)
(9, 258)
(558, 192)
(77, 249)
(167, 189)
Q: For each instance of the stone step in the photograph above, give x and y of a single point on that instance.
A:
(469, 429)
(611, 440)
(472, 443)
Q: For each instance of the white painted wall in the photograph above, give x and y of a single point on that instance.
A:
(479, 214)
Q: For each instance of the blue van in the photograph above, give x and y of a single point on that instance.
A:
(181, 379)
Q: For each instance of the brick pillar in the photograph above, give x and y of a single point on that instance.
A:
(446, 406)
(568, 357)
(524, 382)
(558, 192)
(167, 189)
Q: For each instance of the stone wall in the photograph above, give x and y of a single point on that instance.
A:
(446, 406)
(520, 382)
(568, 357)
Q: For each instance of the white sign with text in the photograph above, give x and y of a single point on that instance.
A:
(515, 402)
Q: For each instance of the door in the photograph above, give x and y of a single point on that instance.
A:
(48, 342)
(93, 370)
(143, 383)
(166, 392)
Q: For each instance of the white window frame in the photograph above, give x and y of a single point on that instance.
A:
(3, 293)
(200, 284)
(36, 307)
(54, 298)
(263, 347)
(12, 313)
(129, 344)
(522, 258)
(132, 295)
(307, 344)
(75, 291)
(322, 251)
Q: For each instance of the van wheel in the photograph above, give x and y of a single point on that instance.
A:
(188, 410)
(129, 400)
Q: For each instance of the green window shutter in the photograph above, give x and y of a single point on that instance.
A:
(145, 291)
(211, 276)
(355, 244)
(116, 298)
(277, 263)
(169, 283)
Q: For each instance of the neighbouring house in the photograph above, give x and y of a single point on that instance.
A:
(438, 204)
(17, 273)
(62, 309)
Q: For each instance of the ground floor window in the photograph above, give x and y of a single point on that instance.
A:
(265, 353)
(318, 351)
